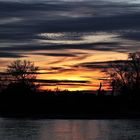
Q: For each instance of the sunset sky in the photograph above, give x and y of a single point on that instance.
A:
(72, 41)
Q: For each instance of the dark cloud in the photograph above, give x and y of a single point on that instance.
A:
(132, 35)
(100, 65)
(24, 21)
(57, 54)
(60, 81)
(10, 55)
(87, 46)
(54, 17)
(84, 24)
(68, 84)
(57, 70)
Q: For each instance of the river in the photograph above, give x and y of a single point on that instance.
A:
(41, 129)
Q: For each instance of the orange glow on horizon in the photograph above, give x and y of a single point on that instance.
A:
(70, 68)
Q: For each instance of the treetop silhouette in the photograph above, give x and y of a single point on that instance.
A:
(22, 74)
(22, 71)
(125, 75)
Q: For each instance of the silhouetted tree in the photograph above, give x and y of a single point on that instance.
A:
(125, 75)
(23, 74)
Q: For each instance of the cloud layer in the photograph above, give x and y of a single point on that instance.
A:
(25, 21)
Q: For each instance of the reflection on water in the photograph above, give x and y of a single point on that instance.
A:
(11, 129)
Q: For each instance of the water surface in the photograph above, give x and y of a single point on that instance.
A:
(14, 129)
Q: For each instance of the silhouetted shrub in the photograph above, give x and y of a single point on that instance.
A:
(125, 75)
(22, 76)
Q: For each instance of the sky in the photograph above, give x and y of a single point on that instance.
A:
(71, 41)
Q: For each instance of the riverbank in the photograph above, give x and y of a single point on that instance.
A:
(71, 116)
(68, 106)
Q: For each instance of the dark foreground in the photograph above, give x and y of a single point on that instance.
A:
(68, 106)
